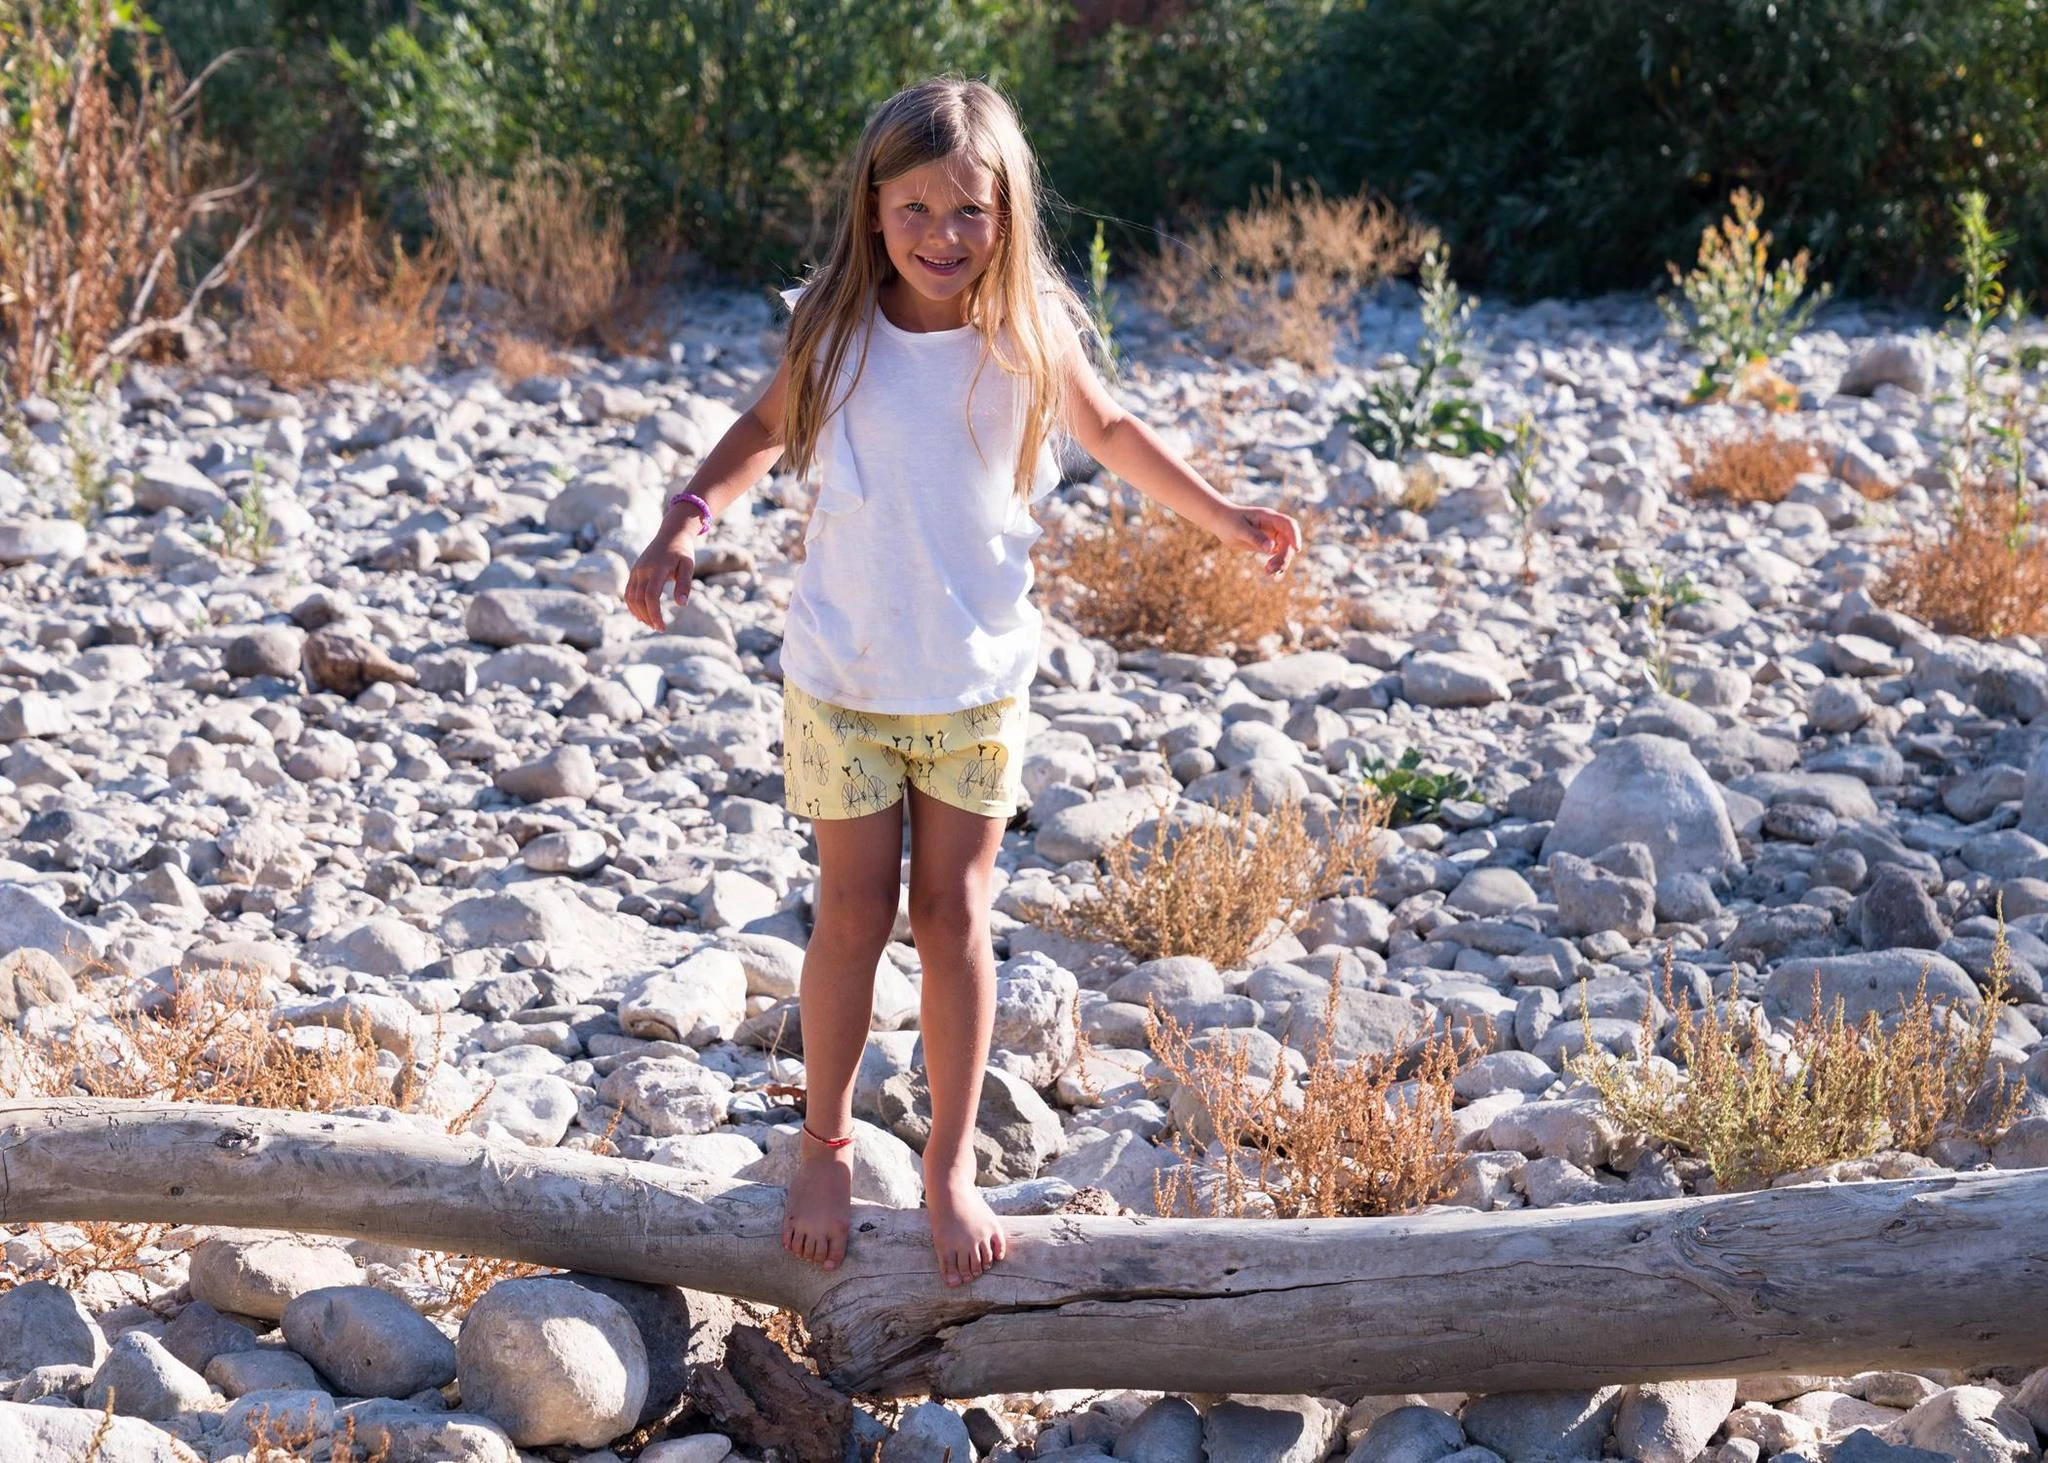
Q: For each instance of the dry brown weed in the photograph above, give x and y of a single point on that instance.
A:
(1152, 579)
(1984, 573)
(210, 1040)
(275, 1438)
(542, 242)
(98, 192)
(1760, 467)
(1271, 279)
(1841, 1089)
(1218, 886)
(342, 306)
(515, 357)
(1354, 1140)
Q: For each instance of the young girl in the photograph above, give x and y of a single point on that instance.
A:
(928, 364)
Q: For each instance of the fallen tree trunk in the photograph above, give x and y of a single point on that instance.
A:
(1949, 1272)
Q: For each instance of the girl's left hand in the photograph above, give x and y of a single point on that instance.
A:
(1275, 535)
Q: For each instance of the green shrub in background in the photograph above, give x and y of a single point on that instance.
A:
(725, 117)
(1565, 147)
(1576, 145)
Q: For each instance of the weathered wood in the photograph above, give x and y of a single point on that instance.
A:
(1949, 1272)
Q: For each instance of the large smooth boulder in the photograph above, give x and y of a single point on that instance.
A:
(551, 1361)
(1670, 1422)
(2034, 797)
(259, 1275)
(34, 1433)
(1882, 981)
(43, 1325)
(508, 617)
(140, 1378)
(372, 1343)
(1526, 1426)
(1649, 790)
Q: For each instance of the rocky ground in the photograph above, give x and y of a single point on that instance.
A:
(419, 767)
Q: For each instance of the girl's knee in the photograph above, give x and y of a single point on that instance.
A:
(951, 906)
(863, 912)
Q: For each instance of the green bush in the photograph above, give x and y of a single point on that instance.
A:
(1578, 145)
(1567, 147)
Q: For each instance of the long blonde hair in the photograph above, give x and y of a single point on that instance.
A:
(1014, 297)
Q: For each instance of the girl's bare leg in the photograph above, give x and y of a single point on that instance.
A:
(952, 854)
(859, 874)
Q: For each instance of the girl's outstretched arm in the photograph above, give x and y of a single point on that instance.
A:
(748, 449)
(1130, 449)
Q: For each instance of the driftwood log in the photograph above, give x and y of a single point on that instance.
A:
(1948, 1272)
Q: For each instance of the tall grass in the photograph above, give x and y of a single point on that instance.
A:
(1985, 572)
(349, 303)
(1273, 279)
(542, 242)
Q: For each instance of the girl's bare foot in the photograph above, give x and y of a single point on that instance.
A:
(965, 1231)
(819, 1204)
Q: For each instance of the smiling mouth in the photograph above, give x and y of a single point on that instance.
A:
(941, 266)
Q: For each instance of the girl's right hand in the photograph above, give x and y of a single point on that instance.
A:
(668, 560)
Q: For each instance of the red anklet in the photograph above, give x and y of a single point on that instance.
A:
(829, 1142)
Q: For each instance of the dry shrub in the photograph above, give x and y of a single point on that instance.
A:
(1271, 279)
(119, 1252)
(277, 1439)
(1155, 580)
(342, 306)
(1354, 1140)
(1841, 1090)
(542, 243)
(211, 1040)
(465, 1278)
(1984, 574)
(515, 357)
(1218, 883)
(1759, 468)
(96, 191)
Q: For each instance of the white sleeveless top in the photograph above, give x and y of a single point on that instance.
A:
(914, 594)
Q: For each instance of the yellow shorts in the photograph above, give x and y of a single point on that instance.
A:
(841, 763)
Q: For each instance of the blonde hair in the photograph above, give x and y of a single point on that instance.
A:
(1016, 295)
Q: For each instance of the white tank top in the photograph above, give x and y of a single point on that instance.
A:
(914, 594)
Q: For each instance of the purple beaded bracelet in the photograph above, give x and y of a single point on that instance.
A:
(703, 508)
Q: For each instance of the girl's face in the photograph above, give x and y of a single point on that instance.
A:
(938, 221)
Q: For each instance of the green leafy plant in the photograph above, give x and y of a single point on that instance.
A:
(1098, 304)
(1658, 594)
(1414, 793)
(1656, 589)
(1525, 456)
(245, 530)
(1744, 311)
(1990, 438)
(1429, 413)
(83, 484)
